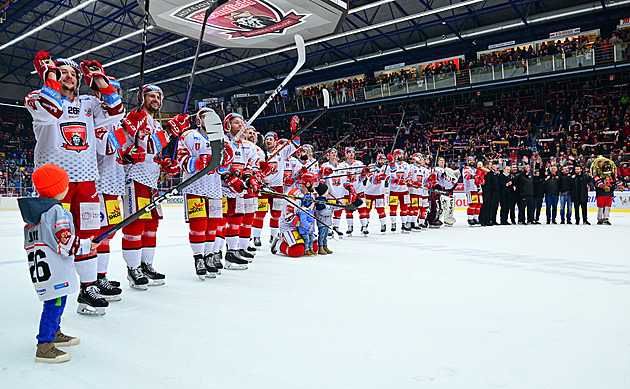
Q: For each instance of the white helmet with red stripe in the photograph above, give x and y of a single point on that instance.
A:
(200, 113)
(228, 120)
(148, 88)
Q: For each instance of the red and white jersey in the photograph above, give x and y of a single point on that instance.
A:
(292, 167)
(414, 177)
(376, 181)
(290, 218)
(245, 161)
(277, 163)
(468, 174)
(424, 173)
(193, 144)
(111, 174)
(313, 165)
(335, 184)
(398, 174)
(148, 171)
(442, 179)
(352, 175)
(65, 130)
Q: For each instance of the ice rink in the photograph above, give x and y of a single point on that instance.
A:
(499, 307)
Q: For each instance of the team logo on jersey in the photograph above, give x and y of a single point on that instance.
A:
(243, 18)
(63, 236)
(61, 286)
(197, 146)
(100, 132)
(75, 136)
(41, 291)
(88, 112)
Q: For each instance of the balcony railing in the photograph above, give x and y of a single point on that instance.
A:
(487, 74)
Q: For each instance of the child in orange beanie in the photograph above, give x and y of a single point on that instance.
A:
(51, 244)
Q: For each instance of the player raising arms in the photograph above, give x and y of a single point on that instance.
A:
(376, 186)
(354, 187)
(64, 124)
(335, 187)
(398, 190)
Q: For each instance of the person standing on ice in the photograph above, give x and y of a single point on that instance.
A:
(289, 241)
(51, 242)
(64, 124)
(143, 165)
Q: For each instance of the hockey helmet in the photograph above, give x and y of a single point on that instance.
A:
(272, 134)
(349, 149)
(399, 151)
(470, 158)
(148, 88)
(200, 113)
(308, 177)
(74, 65)
(381, 156)
(228, 120)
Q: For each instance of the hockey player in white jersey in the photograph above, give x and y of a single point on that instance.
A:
(423, 197)
(203, 198)
(64, 125)
(110, 186)
(415, 185)
(236, 180)
(51, 242)
(272, 169)
(376, 187)
(141, 153)
(398, 190)
(472, 192)
(251, 196)
(449, 182)
(335, 187)
(353, 183)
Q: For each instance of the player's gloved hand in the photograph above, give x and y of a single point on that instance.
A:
(352, 194)
(91, 70)
(136, 124)
(265, 169)
(325, 171)
(391, 159)
(288, 180)
(131, 155)
(178, 125)
(202, 161)
(431, 180)
(606, 188)
(167, 165)
(228, 156)
(44, 65)
(251, 182)
(234, 182)
(302, 170)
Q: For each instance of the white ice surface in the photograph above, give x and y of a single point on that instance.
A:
(500, 307)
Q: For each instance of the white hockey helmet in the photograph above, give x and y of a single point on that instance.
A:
(74, 65)
(200, 113)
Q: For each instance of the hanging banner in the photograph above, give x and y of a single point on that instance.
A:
(564, 32)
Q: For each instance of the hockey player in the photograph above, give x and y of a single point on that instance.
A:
(203, 209)
(272, 168)
(50, 240)
(335, 187)
(353, 184)
(64, 125)
(423, 197)
(376, 186)
(415, 185)
(236, 180)
(251, 196)
(145, 140)
(296, 166)
(110, 186)
(289, 242)
(448, 181)
(398, 190)
(435, 190)
(472, 196)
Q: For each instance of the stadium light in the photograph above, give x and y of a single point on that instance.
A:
(48, 23)
(148, 51)
(104, 45)
(368, 6)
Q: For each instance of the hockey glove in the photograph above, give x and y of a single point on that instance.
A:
(202, 161)
(44, 64)
(251, 182)
(325, 172)
(228, 157)
(178, 125)
(92, 69)
(234, 182)
(136, 124)
(265, 169)
(167, 165)
(288, 180)
(390, 158)
(131, 155)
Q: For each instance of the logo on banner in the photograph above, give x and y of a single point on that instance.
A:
(243, 18)
(74, 135)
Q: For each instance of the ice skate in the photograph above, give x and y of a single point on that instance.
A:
(63, 340)
(90, 302)
(349, 232)
(200, 266)
(107, 291)
(383, 229)
(393, 228)
(257, 243)
(415, 227)
(115, 284)
(275, 244)
(211, 269)
(233, 261)
(48, 353)
(137, 279)
(364, 230)
(246, 255)
(155, 278)
(405, 229)
(337, 232)
(216, 260)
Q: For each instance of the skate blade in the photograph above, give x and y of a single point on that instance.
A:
(211, 275)
(138, 287)
(87, 310)
(235, 267)
(156, 282)
(202, 277)
(112, 298)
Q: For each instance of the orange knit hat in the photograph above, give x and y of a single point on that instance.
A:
(50, 180)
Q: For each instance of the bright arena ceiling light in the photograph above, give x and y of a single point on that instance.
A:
(148, 51)
(48, 23)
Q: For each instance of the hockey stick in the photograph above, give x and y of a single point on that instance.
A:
(333, 146)
(326, 97)
(301, 60)
(398, 130)
(214, 128)
(350, 207)
(209, 11)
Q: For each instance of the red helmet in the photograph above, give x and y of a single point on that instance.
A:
(228, 120)
(399, 151)
(308, 177)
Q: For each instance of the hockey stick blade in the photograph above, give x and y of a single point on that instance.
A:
(214, 128)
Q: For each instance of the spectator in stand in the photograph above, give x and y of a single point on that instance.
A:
(566, 186)
(552, 192)
(580, 181)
